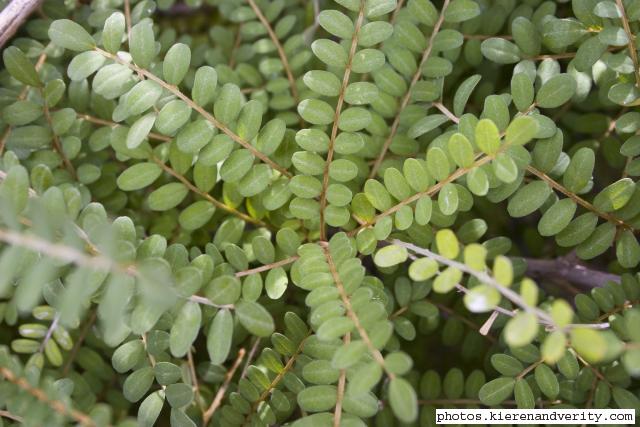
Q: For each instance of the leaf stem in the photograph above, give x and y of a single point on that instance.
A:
(336, 118)
(633, 50)
(377, 356)
(217, 400)
(279, 48)
(204, 113)
(407, 97)
(57, 405)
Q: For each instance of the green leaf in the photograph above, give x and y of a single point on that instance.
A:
(85, 64)
(578, 173)
(522, 91)
(496, 391)
(237, 165)
(138, 176)
(464, 92)
(403, 400)
(334, 328)
(150, 409)
(142, 43)
(176, 64)
(317, 398)
(447, 243)
(558, 33)
(505, 168)
(168, 196)
(128, 356)
(228, 104)
(390, 255)
(137, 384)
(70, 35)
(113, 31)
(556, 91)
(423, 269)
(506, 365)
(20, 67)
(521, 329)
(139, 130)
(255, 318)
(557, 217)
(461, 150)
(521, 130)
(524, 395)
(427, 124)
(528, 199)
(142, 97)
(219, 337)
(461, 10)
(547, 381)
(204, 85)
(329, 52)
(336, 23)
(628, 249)
(596, 346)
(615, 196)
(185, 329)
(179, 395)
(487, 136)
(377, 195)
(316, 112)
(553, 347)
(500, 51)
(194, 136)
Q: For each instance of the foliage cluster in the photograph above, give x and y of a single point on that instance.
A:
(310, 213)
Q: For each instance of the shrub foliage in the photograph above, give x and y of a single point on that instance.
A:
(267, 212)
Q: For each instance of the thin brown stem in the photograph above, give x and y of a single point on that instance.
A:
(217, 400)
(434, 189)
(336, 118)
(236, 46)
(56, 142)
(579, 200)
(252, 354)
(279, 48)
(8, 415)
(267, 267)
(206, 196)
(407, 96)
(102, 122)
(274, 383)
(204, 113)
(57, 405)
(78, 342)
(194, 380)
(337, 414)
(377, 356)
(633, 50)
(528, 369)
(486, 36)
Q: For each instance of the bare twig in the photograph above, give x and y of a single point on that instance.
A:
(267, 267)
(217, 400)
(8, 415)
(13, 16)
(573, 272)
